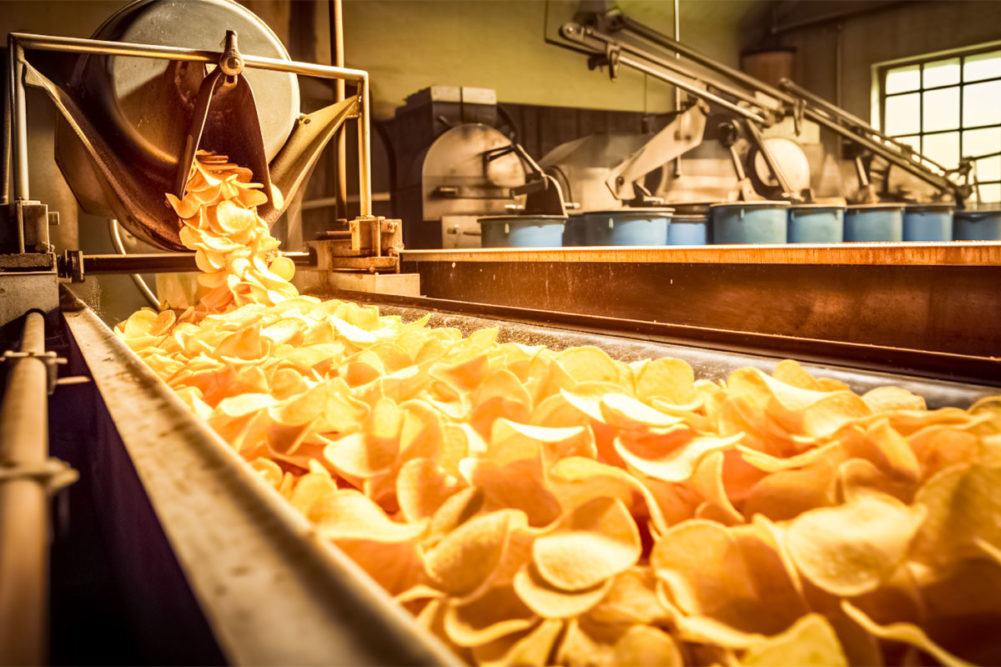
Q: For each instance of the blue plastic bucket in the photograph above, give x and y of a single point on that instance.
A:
(872, 223)
(633, 226)
(750, 222)
(928, 222)
(816, 223)
(984, 225)
(522, 231)
(575, 231)
(688, 230)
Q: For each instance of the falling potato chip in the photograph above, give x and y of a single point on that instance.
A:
(852, 548)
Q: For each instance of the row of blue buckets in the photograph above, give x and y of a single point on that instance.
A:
(745, 222)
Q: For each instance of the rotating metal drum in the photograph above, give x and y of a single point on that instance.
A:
(132, 116)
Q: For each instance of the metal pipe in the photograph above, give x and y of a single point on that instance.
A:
(24, 553)
(78, 45)
(660, 38)
(175, 262)
(19, 136)
(337, 55)
(5, 128)
(364, 149)
(677, 92)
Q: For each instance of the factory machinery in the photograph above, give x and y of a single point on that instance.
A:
(196, 558)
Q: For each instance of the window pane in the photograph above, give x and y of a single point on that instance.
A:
(989, 169)
(902, 79)
(981, 142)
(941, 72)
(903, 115)
(943, 148)
(982, 66)
(990, 193)
(982, 103)
(941, 109)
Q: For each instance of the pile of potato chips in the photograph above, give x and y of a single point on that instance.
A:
(535, 506)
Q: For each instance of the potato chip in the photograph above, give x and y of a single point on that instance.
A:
(550, 602)
(497, 613)
(468, 556)
(597, 540)
(852, 548)
(646, 645)
(810, 641)
(903, 632)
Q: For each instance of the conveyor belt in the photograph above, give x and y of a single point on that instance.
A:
(709, 363)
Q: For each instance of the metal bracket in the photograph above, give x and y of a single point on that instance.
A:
(53, 473)
(48, 357)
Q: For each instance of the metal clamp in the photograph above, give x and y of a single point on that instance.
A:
(53, 473)
(48, 357)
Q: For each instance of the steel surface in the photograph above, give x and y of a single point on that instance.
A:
(272, 590)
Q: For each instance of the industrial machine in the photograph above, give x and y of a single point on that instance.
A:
(206, 563)
(734, 118)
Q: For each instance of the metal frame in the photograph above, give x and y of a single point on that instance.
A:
(19, 42)
(601, 39)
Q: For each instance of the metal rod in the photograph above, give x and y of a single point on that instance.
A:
(78, 45)
(337, 55)
(660, 38)
(5, 128)
(116, 241)
(19, 137)
(179, 262)
(677, 91)
(364, 150)
(24, 504)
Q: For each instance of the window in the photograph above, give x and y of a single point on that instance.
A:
(948, 106)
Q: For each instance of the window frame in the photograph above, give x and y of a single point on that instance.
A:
(881, 70)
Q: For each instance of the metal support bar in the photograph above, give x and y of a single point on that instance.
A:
(24, 527)
(178, 262)
(96, 46)
(364, 149)
(19, 120)
(5, 128)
